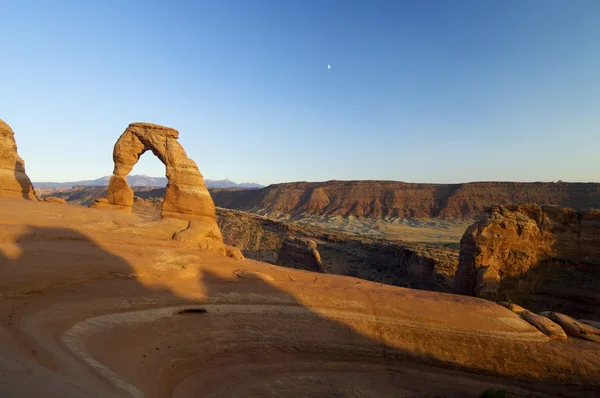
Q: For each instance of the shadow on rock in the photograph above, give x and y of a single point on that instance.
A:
(87, 322)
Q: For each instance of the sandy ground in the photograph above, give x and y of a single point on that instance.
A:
(95, 303)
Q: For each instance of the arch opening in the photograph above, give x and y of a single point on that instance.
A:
(148, 181)
(185, 196)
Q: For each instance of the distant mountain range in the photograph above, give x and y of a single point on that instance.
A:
(141, 181)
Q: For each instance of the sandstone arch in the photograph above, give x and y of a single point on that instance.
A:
(186, 195)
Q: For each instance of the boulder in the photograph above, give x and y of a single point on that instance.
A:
(300, 253)
(103, 203)
(545, 254)
(54, 200)
(119, 192)
(204, 233)
(541, 323)
(234, 252)
(573, 327)
(14, 182)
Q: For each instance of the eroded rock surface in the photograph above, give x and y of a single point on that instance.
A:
(186, 196)
(540, 322)
(104, 303)
(300, 253)
(54, 200)
(547, 255)
(574, 327)
(14, 182)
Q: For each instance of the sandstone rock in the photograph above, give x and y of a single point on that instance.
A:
(119, 192)
(546, 251)
(513, 307)
(14, 182)
(245, 274)
(234, 252)
(186, 195)
(300, 253)
(540, 322)
(54, 200)
(103, 203)
(206, 234)
(487, 283)
(573, 327)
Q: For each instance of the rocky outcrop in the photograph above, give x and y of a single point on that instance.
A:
(186, 196)
(573, 327)
(14, 182)
(54, 200)
(207, 234)
(540, 322)
(546, 254)
(391, 262)
(395, 199)
(300, 253)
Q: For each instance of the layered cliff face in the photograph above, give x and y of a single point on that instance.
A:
(395, 263)
(391, 199)
(14, 182)
(546, 256)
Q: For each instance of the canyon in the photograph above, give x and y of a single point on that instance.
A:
(398, 200)
(144, 293)
(569, 287)
(261, 238)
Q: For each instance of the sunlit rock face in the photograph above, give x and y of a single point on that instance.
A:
(14, 182)
(186, 195)
(549, 253)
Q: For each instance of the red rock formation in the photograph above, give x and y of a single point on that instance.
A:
(14, 182)
(300, 253)
(186, 196)
(535, 250)
(380, 199)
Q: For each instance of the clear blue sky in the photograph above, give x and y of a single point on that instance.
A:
(421, 91)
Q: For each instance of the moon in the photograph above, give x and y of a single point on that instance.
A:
(328, 66)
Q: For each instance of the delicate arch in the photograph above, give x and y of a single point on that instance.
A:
(186, 195)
